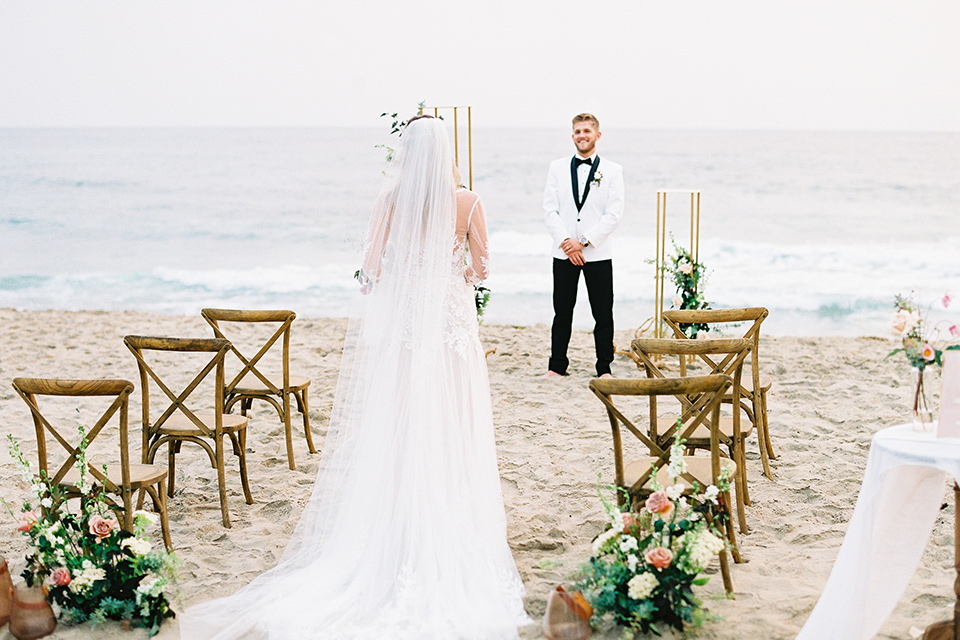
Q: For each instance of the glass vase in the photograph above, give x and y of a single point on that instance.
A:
(31, 616)
(922, 407)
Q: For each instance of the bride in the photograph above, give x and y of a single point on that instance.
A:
(404, 536)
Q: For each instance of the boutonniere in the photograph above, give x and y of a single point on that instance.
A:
(597, 177)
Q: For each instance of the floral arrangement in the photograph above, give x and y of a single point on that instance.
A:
(688, 276)
(93, 569)
(597, 178)
(919, 345)
(645, 565)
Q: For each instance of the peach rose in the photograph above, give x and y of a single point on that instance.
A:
(627, 520)
(27, 520)
(659, 557)
(928, 352)
(100, 526)
(901, 320)
(60, 577)
(686, 268)
(658, 502)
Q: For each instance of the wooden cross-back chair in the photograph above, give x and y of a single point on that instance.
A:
(178, 423)
(250, 383)
(121, 479)
(635, 476)
(754, 390)
(734, 352)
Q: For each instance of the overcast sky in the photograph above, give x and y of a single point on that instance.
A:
(718, 64)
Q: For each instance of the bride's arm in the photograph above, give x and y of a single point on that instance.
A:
(478, 268)
(376, 240)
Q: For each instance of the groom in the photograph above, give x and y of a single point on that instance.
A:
(582, 205)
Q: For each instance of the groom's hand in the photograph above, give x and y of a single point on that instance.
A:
(576, 257)
(570, 245)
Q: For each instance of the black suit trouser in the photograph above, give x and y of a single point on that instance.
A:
(566, 278)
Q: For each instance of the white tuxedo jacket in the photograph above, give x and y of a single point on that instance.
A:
(601, 212)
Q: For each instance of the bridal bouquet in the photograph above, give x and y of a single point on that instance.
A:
(645, 565)
(92, 568)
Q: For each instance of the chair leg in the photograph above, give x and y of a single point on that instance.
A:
(288, 431)
(302, 401)
(739, 482)
(221, 482)
(725, 573)
(766, 425)
(171, 465)
(730, 529)
(242, 437)
(742, 464)
(160, 506)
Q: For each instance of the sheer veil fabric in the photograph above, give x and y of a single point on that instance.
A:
(404, 536)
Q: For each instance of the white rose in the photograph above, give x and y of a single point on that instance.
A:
(137, 546)
(677, 301)
(711, 493)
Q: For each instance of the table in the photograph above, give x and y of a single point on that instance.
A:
(895, 513)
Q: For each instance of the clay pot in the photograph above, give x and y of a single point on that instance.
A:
(5, 585)
(567, 616)
(31, 616)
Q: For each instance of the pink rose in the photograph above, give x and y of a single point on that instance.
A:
(627, 520)
(955, 331)
(928, 352)
(60, 577)
(659, 557)
(100, 526)
(27, 520)
(686, 268)
(658, 502)
(946, 300)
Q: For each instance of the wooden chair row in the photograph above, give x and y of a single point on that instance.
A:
(178, 421)
(700, 423)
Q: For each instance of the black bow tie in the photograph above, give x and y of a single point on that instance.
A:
(580, 161)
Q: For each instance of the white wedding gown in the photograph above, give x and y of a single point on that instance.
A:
(405, 534)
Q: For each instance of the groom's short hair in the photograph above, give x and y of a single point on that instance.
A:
(587, 117)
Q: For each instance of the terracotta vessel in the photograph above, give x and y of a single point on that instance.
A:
(567, 616)
(31, 616)
(5, 585)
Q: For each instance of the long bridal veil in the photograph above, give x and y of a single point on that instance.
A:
(404, 536)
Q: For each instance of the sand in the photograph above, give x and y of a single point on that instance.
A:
(829, 396)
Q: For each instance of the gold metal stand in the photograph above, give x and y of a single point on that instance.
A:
(456, 136)
(661, 256)
(950, 629)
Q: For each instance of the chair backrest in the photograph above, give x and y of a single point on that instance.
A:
(729, 356)
(678, 319)
(708, 388)
(285, 319)
(119, 390)
(218, 347)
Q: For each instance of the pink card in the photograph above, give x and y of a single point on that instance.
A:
(950, 396)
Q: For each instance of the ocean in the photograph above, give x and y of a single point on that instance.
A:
(823, 228)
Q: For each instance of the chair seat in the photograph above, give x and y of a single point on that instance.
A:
(180, 425)
(141, 475)
(697, 466)
(251, 384)
(702, 432)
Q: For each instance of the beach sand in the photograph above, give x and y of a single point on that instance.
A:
(829, 396)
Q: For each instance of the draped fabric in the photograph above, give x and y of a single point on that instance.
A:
(404, 535)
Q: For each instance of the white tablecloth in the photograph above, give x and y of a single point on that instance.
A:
(903, 488)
